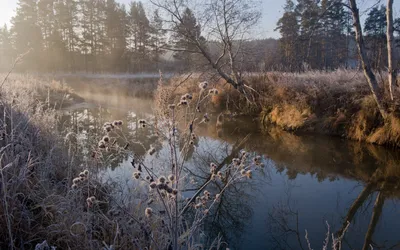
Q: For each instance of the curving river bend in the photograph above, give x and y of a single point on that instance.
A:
(309, 183)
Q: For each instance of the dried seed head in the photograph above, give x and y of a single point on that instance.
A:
(153, 185)
(148, 212)
(198, 205)
(217, 197)
(102, 144)
(74, 186)
(236, 161)
(243, 172)
(108, 128)
(175, 191)
(203, 85)
(169, 190)
(81, 174)
(161, 186)
(136, 175)
(76, 180)
(142, 121)
(106, 139)
(92, 198)
(249, 174)
(171, 177)
(213, 91)
(171, 106)
(162, 179)
(183, 103)
(86, 172)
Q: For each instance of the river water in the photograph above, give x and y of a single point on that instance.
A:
(308, 184)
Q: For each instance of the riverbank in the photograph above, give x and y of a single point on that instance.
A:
(335, 103)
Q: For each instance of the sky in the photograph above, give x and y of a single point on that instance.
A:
(271, 12)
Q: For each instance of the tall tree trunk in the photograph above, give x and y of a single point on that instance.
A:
(369, 75)
(391, 54)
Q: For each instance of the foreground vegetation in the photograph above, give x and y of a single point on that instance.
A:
(54, 195)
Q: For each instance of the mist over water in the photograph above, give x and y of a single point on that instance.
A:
(307, 182)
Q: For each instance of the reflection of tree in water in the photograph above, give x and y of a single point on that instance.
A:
(233, 212)
(88, 124)
(284, 228)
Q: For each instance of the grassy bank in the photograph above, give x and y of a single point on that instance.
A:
(335, 103)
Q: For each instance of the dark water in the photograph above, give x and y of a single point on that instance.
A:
(307, 183)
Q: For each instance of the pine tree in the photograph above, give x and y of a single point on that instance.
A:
(116, 34)
(288, 43)
(184, 45)
(158, 39)
(68, 24)
(54, 47)
(27, 35)
(6, 50)
(375, 31)
(140, 31)
(310, 32)
(334, 43)
(93, 38)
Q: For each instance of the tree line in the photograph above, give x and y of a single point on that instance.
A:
(319, 35)
(83, 35)
(106, 36)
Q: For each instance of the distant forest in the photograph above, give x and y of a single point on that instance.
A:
(101, 36)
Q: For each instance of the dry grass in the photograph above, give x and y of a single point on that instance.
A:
(333, 103)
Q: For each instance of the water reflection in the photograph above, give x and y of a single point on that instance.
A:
(306, 180)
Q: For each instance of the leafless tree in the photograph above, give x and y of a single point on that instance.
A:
(227, 23)
(390, 47)
(369, 74)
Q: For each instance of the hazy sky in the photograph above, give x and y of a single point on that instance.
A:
(271, 12)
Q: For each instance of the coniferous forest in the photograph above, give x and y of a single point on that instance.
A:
(106, 36)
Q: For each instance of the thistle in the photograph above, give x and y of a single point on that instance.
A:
(148, 212)
(203, 85)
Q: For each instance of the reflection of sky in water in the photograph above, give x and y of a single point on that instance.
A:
(317, 200)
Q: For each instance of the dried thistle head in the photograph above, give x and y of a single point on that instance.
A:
(136, 175)
(102, 144)
(153, 185)
(203, 85)
(171, 177)
(162, 179)
(249, 174)
(148, 212)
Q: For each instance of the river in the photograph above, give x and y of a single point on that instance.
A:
(308, 183)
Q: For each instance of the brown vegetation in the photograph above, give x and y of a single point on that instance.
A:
(335, 103)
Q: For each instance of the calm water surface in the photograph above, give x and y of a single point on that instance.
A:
(309, 183)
